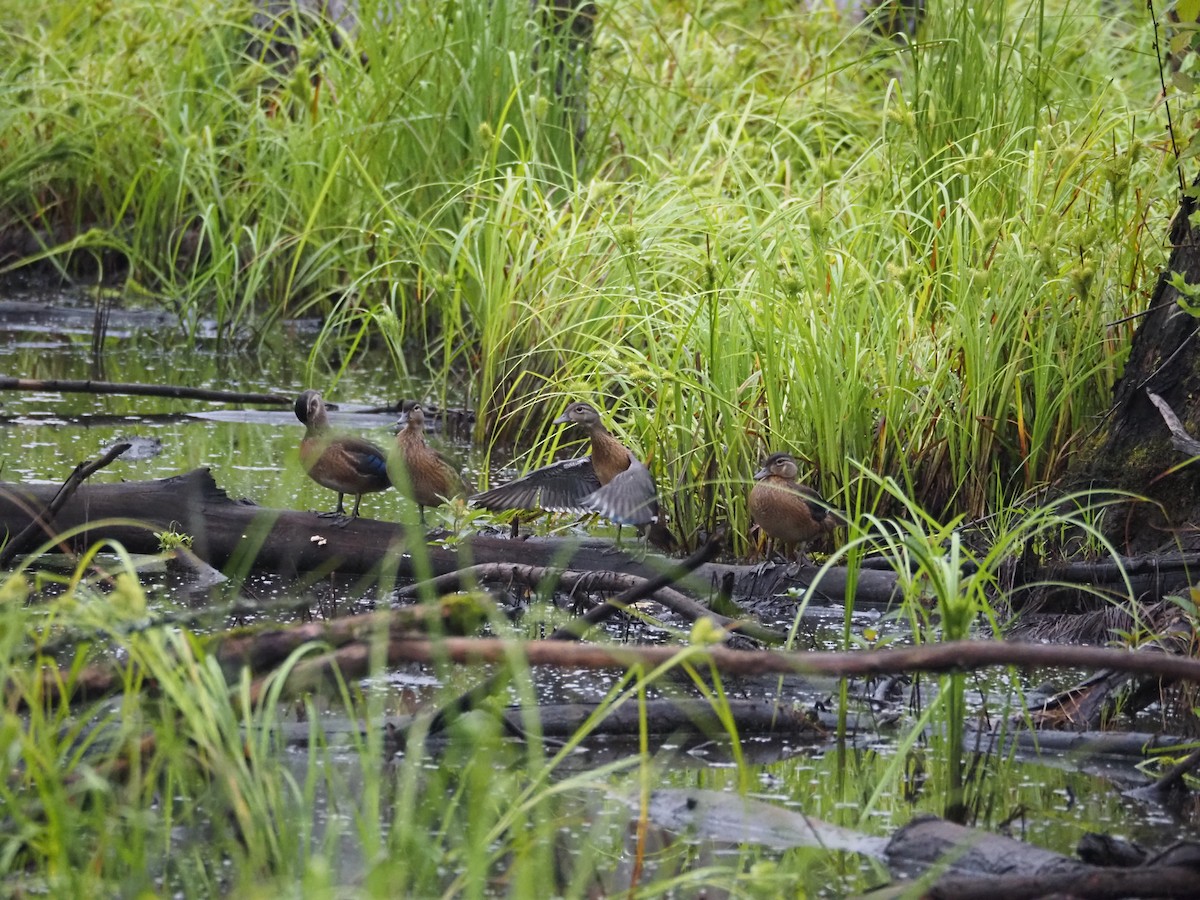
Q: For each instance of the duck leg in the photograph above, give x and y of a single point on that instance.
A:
(340, 511)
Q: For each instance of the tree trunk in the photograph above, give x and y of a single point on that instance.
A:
(1134, 451)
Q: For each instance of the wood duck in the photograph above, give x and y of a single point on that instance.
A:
(342, 463)
(428, 478)
(788, 511)
(611, 481)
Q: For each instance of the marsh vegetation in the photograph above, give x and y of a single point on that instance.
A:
(914, 265)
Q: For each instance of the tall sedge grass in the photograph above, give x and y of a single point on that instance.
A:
(952, 587)
(241, 193)
(778, 233)
(926, 291)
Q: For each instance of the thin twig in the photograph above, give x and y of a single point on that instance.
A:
(951, 656)
(1166, 100)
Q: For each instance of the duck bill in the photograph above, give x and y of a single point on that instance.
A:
(564, 419)
(761, 473)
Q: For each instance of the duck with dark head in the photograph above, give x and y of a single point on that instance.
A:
(419, 471)
(340, 462)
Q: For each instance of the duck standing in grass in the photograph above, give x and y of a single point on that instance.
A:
(611, 481)
(788, 511)
(428, 478)
(342, 463)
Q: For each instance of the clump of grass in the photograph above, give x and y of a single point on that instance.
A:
(243, 192)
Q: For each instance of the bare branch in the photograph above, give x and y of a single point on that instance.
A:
(41, 522)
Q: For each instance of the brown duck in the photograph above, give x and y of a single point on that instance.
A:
(348, 465)
(611, 481)
(787, 511)
(424, 475)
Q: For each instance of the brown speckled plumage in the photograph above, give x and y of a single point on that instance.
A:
(428, 478)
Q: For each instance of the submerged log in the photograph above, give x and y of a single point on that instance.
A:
(982, 865)
(976, 864)
(929, 840)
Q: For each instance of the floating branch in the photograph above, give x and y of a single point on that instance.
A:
(142, 390)
(951, 656)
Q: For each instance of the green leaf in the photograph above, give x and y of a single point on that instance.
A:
(1190, 150)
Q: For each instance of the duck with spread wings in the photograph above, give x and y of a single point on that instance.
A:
(610, 481)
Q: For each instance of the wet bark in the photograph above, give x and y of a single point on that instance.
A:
(1135, 450)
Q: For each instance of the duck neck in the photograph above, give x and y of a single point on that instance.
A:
(609, 456)
(413, 434)
(318, 422)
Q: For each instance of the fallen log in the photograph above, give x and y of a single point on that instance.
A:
(984, 865)
(292, 542)
(1075, 745)
(667, 717)
(21, 541)
(244, 537)
(262, 649)
(930, 840)
(947, 657)
(181, 392)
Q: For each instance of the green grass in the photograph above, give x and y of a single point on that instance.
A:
(145, 790)
(779, 232)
